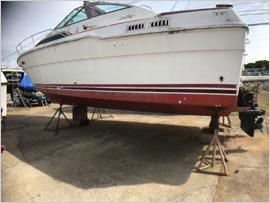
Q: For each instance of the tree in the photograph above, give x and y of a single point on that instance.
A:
(258, 64)
(249, 65)
(262, 63)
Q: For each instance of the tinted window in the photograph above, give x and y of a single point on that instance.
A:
(79, 17)
(52, 38)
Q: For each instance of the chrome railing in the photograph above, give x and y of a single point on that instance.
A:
(32, 40)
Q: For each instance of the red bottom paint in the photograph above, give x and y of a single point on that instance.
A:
(187, 104)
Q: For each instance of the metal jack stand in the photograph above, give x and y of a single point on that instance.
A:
(216, 144)
(59, 111)
(99, 115)
(229, 125)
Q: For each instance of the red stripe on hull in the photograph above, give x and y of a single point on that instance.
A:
(188, 104)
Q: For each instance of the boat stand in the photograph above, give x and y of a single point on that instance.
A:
(60, 112)
(99, 115)
(229, 125)
(204, 161)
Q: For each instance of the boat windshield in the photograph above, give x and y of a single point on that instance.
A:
(109, 7)
(89, 11)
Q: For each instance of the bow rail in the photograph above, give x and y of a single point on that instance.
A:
(32, 41)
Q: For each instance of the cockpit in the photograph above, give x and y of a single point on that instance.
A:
(90, 10)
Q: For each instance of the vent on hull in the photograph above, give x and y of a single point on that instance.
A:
(160, 23)
(135, 27)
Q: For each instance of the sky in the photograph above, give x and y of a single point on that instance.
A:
(20, 19)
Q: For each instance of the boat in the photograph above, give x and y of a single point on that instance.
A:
(30, 93)
(14, 77)
(120, 56)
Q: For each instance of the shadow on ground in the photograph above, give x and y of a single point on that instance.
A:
(107, 152)
(104, 111)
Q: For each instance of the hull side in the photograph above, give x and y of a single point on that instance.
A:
(200, 56)
(211, 58)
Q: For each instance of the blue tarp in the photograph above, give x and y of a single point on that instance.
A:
(26, 85)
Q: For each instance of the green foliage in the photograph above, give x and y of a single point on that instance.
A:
(258, 64)
(249, 65)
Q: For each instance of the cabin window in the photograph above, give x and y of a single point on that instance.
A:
(52, 38)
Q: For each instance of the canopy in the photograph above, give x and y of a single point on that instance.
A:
(26, 85)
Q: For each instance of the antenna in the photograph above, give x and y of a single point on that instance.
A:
(188, 4)
(174, 5)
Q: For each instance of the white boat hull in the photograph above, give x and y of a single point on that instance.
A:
(186, 65)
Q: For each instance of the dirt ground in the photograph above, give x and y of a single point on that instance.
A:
(130, 157)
